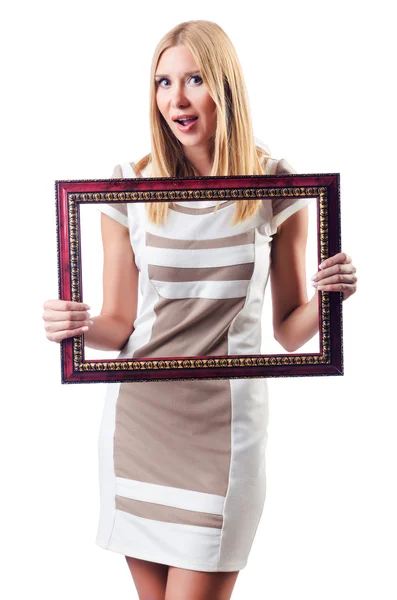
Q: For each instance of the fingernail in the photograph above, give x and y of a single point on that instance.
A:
(87, 307)
(314, 277)
(85, 328)
(314, 282)
(91, 322)
(321, 266)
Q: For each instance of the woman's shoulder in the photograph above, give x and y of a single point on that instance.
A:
(277, 166)
(123, 170)
(140, 168)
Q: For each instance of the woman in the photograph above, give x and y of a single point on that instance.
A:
(182, 463)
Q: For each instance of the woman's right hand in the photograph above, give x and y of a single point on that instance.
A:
(65, 318)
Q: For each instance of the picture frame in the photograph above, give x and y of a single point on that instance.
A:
(71, 195)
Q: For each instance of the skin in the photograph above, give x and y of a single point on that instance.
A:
(156, 581)
(295, 318)
(178, 93)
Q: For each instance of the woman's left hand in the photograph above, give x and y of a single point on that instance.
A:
(337, 274)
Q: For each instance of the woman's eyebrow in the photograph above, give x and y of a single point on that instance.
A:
(187, 73)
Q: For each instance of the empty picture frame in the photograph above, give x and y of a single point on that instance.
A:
(73, 198)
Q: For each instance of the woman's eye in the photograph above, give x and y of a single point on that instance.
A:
(159, 81)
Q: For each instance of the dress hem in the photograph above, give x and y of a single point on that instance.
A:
(173, 562)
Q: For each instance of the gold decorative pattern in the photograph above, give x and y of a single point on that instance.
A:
(324, 357)
(205, 194)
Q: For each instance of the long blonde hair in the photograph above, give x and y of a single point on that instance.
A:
(235, 151)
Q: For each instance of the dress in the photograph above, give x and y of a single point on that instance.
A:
(182, 464)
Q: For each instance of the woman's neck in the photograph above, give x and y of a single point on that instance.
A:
(201, 159)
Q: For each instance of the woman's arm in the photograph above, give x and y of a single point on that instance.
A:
(113, 326)
(295, 318)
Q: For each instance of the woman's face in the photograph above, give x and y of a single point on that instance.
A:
(180, 92)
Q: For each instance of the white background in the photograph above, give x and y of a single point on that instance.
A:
(74, 104)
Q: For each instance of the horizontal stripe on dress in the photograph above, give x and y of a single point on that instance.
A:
(170, 496)
(200, 258)
(168, 514)
(247, 237)
(226, 273)
(202, 289)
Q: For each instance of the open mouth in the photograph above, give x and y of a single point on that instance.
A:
(185, 122)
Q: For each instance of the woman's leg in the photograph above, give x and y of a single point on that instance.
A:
(199, 585)
(150, 578)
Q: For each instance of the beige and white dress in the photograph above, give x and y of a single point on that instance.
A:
(182, 464)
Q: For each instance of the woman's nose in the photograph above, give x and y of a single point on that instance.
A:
(179, 96)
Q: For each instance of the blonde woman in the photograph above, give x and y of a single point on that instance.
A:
(182, 463)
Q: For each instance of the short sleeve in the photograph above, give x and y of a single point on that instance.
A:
(119, 210)
(283, 208)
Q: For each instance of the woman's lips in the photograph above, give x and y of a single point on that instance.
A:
(186, 128)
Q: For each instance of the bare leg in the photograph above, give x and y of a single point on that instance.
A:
(183, 584)
(150, 578)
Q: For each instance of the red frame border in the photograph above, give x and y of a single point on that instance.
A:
(250, 368)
